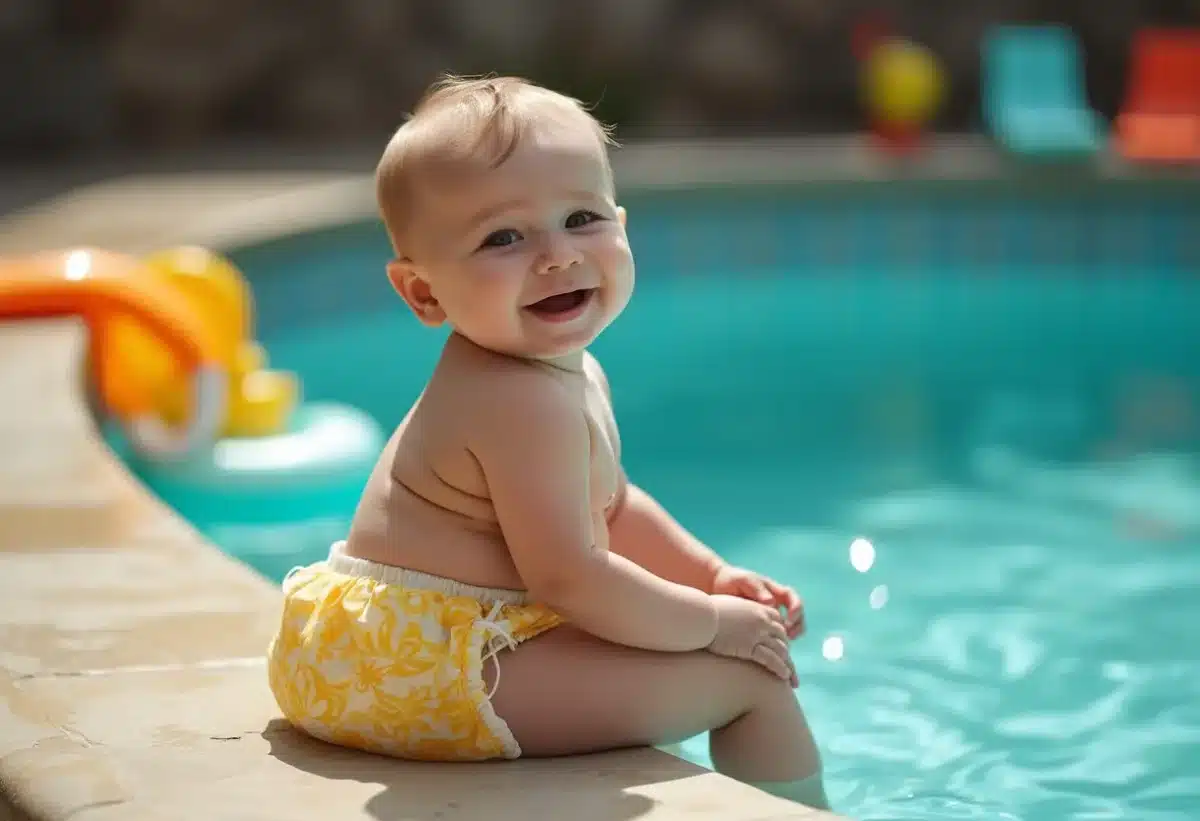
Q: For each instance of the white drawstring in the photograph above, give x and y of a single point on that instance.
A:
(500, 638)
(289, 575)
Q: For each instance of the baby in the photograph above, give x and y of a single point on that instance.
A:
(499, 518)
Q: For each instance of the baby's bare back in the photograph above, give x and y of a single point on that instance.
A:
(427, 505)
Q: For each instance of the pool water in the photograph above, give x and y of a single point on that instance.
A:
(1002, 625)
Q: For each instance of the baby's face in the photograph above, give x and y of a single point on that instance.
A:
(529, 259)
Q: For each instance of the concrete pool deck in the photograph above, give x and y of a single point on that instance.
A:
(118, 621)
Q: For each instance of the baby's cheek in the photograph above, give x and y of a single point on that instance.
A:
(618, 259)
(498, 284)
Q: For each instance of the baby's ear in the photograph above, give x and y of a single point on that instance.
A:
(415, 292)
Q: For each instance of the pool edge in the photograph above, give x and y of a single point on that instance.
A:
(104, 653)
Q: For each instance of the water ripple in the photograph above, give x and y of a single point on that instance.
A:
(1015, 671)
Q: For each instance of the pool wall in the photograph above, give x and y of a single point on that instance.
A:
(954, 295)
(1092, 231)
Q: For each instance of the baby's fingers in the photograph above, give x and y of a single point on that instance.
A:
(790, 600)
(773, 655)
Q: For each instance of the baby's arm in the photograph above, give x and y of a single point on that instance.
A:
(641, 530)
(533, 446)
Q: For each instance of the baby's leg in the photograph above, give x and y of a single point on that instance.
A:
(567, 692)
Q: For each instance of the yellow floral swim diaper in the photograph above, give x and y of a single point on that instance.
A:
(391, 660)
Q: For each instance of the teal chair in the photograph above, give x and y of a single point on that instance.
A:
(1034, 98)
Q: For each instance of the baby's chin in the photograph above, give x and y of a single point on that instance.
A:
(552, 350)
(526, 348)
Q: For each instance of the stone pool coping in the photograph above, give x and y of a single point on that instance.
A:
(118, 621)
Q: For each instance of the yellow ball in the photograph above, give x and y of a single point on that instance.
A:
(904, 83)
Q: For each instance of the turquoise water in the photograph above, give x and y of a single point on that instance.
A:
(1000, 626)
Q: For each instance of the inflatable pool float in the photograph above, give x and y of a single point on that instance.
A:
(112, 293)
(314, 467)
(182, 388)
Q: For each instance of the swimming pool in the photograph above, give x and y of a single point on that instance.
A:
(893, 398)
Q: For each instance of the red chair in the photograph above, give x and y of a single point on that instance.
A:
(1160, 120)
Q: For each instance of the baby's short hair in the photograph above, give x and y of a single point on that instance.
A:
(463, 119)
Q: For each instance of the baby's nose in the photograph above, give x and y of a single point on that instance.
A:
(559, 254)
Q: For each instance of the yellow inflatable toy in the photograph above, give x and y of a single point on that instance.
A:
(172, 363)
(137, 369)
(107, 289)
(904, 84)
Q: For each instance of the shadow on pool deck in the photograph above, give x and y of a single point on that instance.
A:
(600, 787)
(132, 681)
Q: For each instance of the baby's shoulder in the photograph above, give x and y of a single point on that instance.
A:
(503, 390)
(595, 373)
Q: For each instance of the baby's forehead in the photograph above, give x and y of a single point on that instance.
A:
(542, 159)
(458, 154)
(471, 146)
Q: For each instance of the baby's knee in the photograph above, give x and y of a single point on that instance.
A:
(766, 688)
(776, 701)
(747, 688)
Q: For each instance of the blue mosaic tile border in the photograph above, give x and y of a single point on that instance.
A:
(955, 230)
(910, 230)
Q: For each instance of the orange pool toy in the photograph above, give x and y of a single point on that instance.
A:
(118, 295)
(260, 401)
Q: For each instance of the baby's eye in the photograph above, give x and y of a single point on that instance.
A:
(578, 219)
(498, 239)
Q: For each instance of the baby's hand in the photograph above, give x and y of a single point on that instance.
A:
(738, 581)
(754, 632)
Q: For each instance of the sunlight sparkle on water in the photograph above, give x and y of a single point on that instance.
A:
(833, 648)
(879, 597)
(862, 555)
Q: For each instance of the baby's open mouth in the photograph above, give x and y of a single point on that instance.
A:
(561, 304)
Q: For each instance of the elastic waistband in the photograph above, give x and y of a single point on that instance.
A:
(339, 562)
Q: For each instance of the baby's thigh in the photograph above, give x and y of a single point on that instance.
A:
(568, 692)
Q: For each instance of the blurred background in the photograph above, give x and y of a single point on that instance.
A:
(89, 77)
